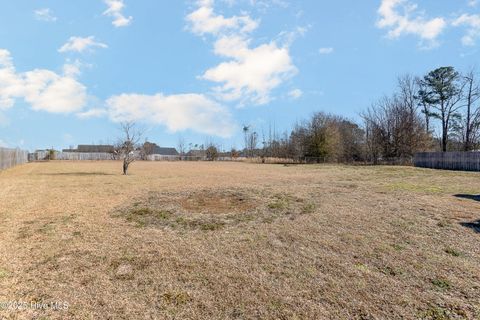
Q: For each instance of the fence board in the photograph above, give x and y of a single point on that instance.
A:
(12, 157)
(464, 161)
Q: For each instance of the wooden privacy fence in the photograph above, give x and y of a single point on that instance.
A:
(12, 157)
(159, 157)
(465, 161)
(38, 156)
(75, 156)
(72, 156)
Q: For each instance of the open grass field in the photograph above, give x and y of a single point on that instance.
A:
(239, 241)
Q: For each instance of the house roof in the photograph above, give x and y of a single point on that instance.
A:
(164, 151)
(94, 148)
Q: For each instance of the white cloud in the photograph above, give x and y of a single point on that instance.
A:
(72, 68)
(114, 10)
(269, 3)
(177, 112)
(45, 14)
(472, 22)
(8, 80)
(80, 44)
(401, 17)
(287, 38)
(3, 144)
(328, 50)
(48, 91)
(473, 3)
(295, 93)
(92, 113)
(42, 89)
(261, 5)
(250, 73)
(204, 20)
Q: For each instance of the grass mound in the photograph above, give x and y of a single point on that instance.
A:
(210, 210)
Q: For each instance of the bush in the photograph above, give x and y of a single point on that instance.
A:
(212, 153)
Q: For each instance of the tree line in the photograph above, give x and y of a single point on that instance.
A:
(439, 111)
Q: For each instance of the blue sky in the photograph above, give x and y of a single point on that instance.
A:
(71, 70)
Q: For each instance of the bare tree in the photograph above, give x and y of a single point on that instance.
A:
(246, 130)
(252, 143)
(182, 146)
(373, 136)
(408, 92)
(131, 136)
(394, 131)
(471, 120)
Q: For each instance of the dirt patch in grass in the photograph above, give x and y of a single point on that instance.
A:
(211, 209)
(214, 202)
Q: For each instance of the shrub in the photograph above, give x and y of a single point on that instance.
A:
(212, 153)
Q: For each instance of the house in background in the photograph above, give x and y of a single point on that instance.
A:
(196, 155)
(151, 148)
(165, 151)
(153, 152)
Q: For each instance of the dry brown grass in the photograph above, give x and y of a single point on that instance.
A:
(238, 240)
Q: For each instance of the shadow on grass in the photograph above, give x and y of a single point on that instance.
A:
(468, 196)
(78, 174)
(475, 225)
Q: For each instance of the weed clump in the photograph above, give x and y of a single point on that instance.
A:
(453, 252)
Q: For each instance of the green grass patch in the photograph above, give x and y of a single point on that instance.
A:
(435, 313)
(453, 252)
(412, 187)
(3, 273)
(398, 247)
(362, 267)
(143, 215)
(280, 202)
(278, 205)
(309, 208)
(441, 284)
(176, 298)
